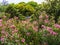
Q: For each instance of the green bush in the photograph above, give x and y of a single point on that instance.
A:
(21, 17)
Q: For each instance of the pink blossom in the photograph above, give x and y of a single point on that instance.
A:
(2, 32)
(2, 39)
(0, 20)
(51, 31)
(27, 33)
(1, 25)
(35, 28)
(12, 26)
(14, 31)
(6, 34)
(47, 16)
(46, 21)
(43, 26)
(40, 17)
(23, 40)
(57, 25)
(54, 33)
(35, 22)
(48, 28)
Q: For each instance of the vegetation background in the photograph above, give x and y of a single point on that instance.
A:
(30, 23)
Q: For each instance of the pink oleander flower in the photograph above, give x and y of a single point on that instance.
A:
(43, 26)
(1, 25)
(35, 28)
(40, 17)
(51, 31)
(6, 34)
(3, 32)
(2, 39)
(57, 25)
(46, 21)
(48, 28)
(14, 31)
(13, 26)
(23, 40)
(0, 20)
(54, 33)
(47, 16)
(28, 33)
(35, 22)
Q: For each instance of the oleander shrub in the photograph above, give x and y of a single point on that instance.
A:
(23, 32)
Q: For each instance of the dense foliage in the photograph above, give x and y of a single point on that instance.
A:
(51, 7)
(30, 23)
(21, 8)
(24, 32)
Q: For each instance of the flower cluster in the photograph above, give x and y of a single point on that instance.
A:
(24, 32)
